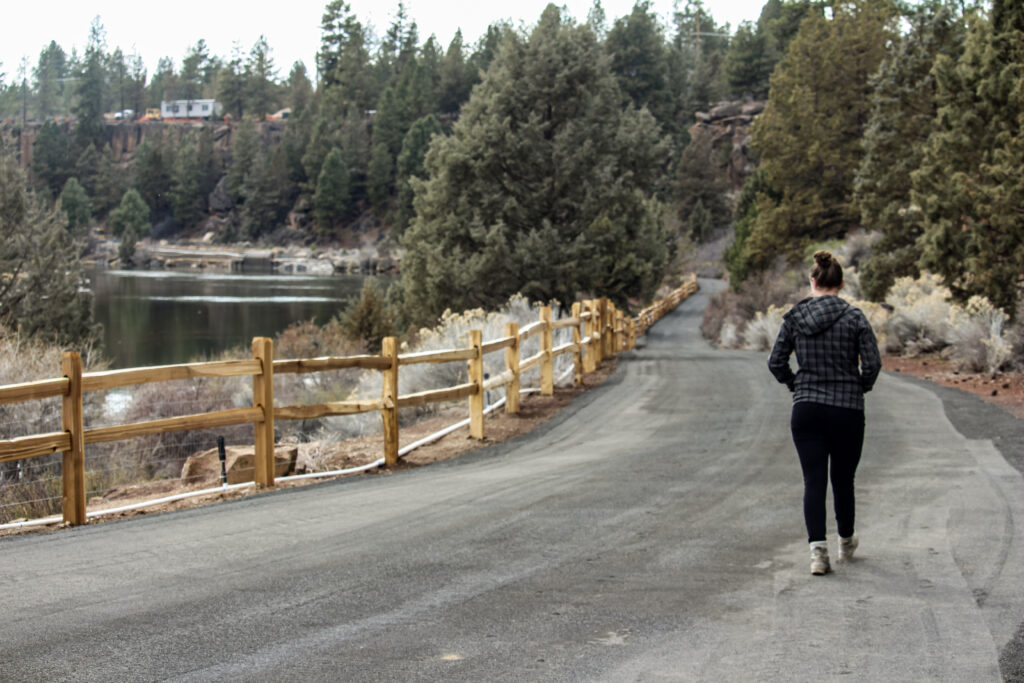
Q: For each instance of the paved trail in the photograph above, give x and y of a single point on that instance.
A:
(651, 532)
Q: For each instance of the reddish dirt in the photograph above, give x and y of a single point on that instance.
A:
(499, 426)
(1006, 390)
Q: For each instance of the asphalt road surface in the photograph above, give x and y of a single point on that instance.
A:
(651, 532)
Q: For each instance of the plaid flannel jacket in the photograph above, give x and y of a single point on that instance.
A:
(836, 352)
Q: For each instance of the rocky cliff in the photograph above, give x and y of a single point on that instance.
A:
(726, 130)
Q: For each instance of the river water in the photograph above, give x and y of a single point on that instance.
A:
(156, 317)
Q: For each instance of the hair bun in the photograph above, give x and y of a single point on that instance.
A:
(824, 258)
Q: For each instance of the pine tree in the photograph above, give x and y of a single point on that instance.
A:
(410, 165)
(126, 248)
(639, 61)
(50, 72)
(90, 91)
(903, 108)
(74, 202)
(50, 162)
(245, 149)
(809, 136)
(110, 183)
(260, 209)
(344, 60)
(970, 185)
(300, 90)
(262, 82)
(41, 278)
(132, 214)
(232, 84)
(697, 182)
(186, 190)
(755, 49)
(152, 171)
(541, 188)
(331, 202)
(457, 77)
(367, 319)
(87, 167)
(746, 64)
(380, 176)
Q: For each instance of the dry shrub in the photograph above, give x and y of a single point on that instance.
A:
(760, 333)
(921, 314)
(878, 316)
(308, 340)
(979, 342)
(30, 488)
(452, 332)
(856, 248)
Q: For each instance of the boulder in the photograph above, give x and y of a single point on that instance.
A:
(724, 110)
(204, 467)
(754, 107)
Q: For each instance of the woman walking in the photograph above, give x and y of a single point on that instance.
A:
(838, 363)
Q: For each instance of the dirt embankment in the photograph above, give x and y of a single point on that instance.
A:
(1005, 390)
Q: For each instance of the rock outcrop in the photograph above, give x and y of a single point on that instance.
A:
(726, 127)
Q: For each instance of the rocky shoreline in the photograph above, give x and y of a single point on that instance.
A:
(164, 255)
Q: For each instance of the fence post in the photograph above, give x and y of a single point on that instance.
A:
(577, 354)
(263, 398)
(620, 332)
(606, 328)
(632, 334)
(73, 465)
(547, 369)
(512, 365)
(476, 376)
(389, 399)
(594, 346)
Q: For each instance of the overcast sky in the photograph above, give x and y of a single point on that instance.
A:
(292, 27)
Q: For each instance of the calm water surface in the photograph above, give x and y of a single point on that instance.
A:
(163, 317)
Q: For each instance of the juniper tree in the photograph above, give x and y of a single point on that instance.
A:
(902, 111)
(970, 185)
(544, 186)
(809, 136)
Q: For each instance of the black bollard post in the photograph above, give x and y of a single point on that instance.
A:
(223, 460)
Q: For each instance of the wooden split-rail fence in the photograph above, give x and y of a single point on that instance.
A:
(599, 331)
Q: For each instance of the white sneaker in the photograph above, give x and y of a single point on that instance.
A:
(847, 546)
(819, 559)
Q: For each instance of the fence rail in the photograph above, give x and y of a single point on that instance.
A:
(605, 332)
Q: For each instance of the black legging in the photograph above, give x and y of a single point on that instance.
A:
(822, 434)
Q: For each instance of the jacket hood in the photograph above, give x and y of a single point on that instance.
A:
(816, 314)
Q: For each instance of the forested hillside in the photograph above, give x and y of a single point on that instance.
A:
(570, 156)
